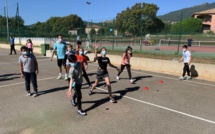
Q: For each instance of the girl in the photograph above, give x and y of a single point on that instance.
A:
(102, 71)
(29, 45)
(126, 63)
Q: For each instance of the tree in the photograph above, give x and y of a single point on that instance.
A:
(101, 32)
(188, 26)
(92, 32)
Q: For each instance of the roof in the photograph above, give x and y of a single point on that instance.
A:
(210, 11)
(93, 26)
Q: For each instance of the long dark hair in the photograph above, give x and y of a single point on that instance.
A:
(29, 41)
(126, 50)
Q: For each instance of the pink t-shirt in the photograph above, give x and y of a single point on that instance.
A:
(29, 45)
(125, 59)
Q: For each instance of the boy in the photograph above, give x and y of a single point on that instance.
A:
(60, 47)
(29, 69)
(12, 45)
(187, 59)
(75, 79)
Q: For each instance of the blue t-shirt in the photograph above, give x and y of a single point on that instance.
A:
(12, 41)
(61, 50)
(189, 41)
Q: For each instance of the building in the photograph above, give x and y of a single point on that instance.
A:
(96, 27)
(75, 31)
(208, 19)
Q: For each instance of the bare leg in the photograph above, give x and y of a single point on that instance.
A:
(107, 80)
(94, 85)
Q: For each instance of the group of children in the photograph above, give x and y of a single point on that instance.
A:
(75, 65)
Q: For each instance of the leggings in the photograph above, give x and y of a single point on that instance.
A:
(128, 69)
(186, 69)
(86, 77)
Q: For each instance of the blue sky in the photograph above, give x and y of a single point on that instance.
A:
(33, 11)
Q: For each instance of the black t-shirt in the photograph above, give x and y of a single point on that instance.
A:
(103, 61)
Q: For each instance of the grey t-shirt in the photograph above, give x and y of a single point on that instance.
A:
(28, 63)
(75, 73)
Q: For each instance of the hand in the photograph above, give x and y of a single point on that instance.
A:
(86, 68)
(22, 75)
(68, 94)
(37, 71)
(51, 59)
(117, 69)
(96, 46)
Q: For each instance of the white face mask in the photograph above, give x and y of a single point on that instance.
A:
(59, 41)
(184, 49)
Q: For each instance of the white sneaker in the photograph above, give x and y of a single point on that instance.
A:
(59, 77)
(188, 78)
(28, 94)
(131, 80)
(181, 78)
(66, 77)
(117, 77)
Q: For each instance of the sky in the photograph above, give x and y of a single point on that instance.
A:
(33, 11)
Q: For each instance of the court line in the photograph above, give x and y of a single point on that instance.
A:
(165, 108)
(18, 62)
(37, 80)
(200, 83)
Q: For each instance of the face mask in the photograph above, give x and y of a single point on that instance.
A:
(59, 41)
(81, 53)
(25, 53)
(184, 49)
(72, 64)
(104, 52)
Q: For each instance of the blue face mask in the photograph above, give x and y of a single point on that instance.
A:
(25, 53)
(81, 53)
(72, 64)
(104, 52)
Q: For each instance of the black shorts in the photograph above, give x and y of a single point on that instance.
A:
(61, 62)
(101, 74)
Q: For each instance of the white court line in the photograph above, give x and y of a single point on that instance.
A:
(165, 108)
(200, 83)
(37, 80)
(18, 62)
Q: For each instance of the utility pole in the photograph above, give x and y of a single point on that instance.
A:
(179, 36)
(88, 3)
(6, 15)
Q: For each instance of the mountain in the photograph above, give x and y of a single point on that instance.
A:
(186, 12)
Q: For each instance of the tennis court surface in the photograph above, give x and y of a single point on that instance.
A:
(155, 104)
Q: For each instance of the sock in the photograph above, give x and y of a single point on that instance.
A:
(65, 74)
(60, 74)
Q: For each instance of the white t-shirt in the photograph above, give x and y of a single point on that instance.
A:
(186, 55)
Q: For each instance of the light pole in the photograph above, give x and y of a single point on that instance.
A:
(6, 15)
(88, 3)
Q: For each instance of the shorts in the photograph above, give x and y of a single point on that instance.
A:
(101, 74)
(61, 62)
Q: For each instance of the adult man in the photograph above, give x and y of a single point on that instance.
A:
(12, 45)
(60, 47)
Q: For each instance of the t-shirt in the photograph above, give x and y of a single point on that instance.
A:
(125, 59)
(68, 53)
(29, 45)
(12, 41)
(81, 59)
(186, 55)
(61, 50)
(28, 63)
(189, 41)
(75, 73)
(103, 61)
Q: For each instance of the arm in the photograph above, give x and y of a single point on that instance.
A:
(21, 70)
(96, 50)
(69, 92)
(189, 59)
(111, 65)
(181, 59)
(53, 52)
(36, 66)
(86, 64)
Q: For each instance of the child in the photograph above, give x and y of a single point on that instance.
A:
(126, 63)
(102, 72)
(29, 69)
(12, 45)
(187, 59)
(75, 76)
(78, 45)
(29, 44)
(82, 59)
(68, 52)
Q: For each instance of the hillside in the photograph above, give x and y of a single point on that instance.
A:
(186, 12)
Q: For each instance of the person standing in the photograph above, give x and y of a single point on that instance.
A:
(60, 47)
(102, 72)
(187, 59)
(29, 69)
(75, 81)
(126, 63)
(12, 45)
(29, 45)
(189, 41)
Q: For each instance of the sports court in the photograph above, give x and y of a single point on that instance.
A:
(155, 104)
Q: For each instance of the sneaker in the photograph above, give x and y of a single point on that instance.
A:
(131, 81)
(28, 94)
(66, 77)
(73, 102)
(35, 95)
(117, 77)
(181, 78)
(188, 78)
(90, 92)
(81, 112)
(59, 77)
(112, 100)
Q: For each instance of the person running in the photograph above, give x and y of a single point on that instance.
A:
(29, 45)
(60, 47)
(75, 80)
(29, 69)
(82, 59)
(126, 63)
(102, 72)
(187, 59)
(12, 45)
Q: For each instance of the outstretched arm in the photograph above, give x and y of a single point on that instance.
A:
(111, 65)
